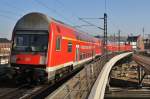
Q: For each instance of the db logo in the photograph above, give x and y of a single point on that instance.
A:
(18, 59)
(27, 59)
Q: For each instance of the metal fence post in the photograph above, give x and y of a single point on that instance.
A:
(80, 85)
(68, 90)
(87, 80)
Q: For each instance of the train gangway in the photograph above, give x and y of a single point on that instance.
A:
(90, 82)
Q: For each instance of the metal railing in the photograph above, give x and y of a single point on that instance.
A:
(80, 85)
(98, 90)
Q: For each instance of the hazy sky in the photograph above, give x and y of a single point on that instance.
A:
(130, 16)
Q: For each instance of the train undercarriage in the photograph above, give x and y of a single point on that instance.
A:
(35, 76)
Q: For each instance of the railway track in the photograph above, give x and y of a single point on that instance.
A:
(13, 92)
(143, 61)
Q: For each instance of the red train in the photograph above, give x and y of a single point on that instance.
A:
(116, 47)
(44, 48)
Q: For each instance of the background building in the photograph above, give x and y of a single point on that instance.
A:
(136, 42)
(5, 46)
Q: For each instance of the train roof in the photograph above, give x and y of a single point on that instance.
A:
(33, 21)
(40, 21)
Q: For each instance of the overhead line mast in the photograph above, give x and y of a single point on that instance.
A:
(119, 40)
(105, 30)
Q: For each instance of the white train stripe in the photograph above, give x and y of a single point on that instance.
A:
(53, 68)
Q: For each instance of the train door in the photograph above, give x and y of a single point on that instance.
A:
(77, 53)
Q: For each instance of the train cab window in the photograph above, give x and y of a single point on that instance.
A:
(58, 43)
(69, 46)
(30, 41)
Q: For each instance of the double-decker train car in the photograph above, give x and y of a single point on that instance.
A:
(44, 48)
(117, 48)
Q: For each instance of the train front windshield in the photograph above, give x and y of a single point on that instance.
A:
(30, 41)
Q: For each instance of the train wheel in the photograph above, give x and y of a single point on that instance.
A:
(62, 72)
(58, 76)
(39, 77)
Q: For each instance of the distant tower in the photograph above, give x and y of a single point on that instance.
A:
(143, 32)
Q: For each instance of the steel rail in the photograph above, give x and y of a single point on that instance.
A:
(14, 92)
(144, 61)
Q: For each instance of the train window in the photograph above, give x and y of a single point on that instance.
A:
(84, 56)
(28, 41)
(19, 40)
(58, 43)
(80, 56)
(69, 46)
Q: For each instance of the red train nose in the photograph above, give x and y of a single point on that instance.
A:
(28, 59)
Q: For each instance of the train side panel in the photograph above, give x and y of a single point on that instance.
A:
(61, 39)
